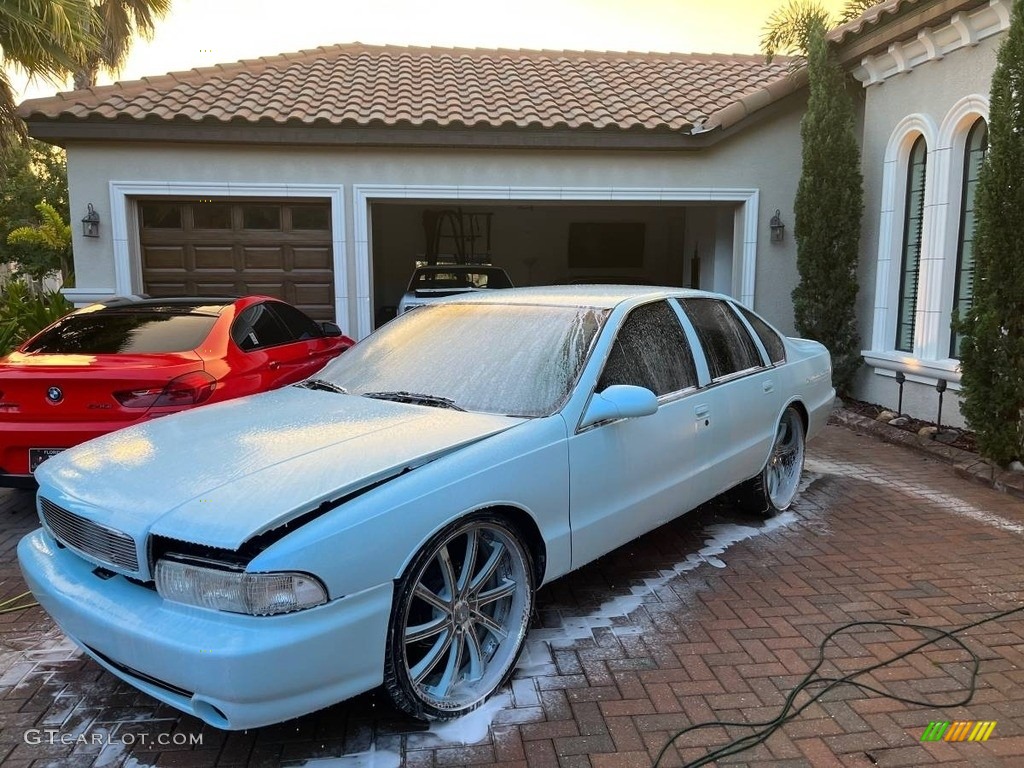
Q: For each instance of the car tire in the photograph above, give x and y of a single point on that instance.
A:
(773, 489)
(459, 618)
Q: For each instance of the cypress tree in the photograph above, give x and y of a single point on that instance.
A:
(992, 350)
(828, 208)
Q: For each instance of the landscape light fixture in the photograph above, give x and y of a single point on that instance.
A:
(943, 435)
(91, 223)
(901, 380)
(777, 227)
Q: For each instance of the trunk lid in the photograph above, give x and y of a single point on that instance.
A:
(82, 387)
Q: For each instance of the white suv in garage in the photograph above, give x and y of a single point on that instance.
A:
(434, 282)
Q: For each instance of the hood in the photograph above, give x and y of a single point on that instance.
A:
(221, 474)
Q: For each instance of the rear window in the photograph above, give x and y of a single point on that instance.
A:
(460, 279)
(117, 333)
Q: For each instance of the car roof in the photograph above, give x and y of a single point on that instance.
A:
(174, 304)
(459, 268)
(596, 296)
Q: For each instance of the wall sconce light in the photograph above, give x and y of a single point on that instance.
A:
(777, 227)
(91, 223)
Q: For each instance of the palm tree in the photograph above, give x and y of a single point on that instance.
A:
(119, 22)
(854, 8)
(788, 29)
(45, 38)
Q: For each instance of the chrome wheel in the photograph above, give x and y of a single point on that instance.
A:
(786, 462)
(460, 620)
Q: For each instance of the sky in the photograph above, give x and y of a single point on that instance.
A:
(204, 32)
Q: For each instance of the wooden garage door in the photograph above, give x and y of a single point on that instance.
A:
(228, 248)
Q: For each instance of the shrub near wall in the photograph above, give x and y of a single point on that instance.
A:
(992, 351)
(23, 313)
(828, 208)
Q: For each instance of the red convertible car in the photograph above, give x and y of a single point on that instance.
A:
(125, 361)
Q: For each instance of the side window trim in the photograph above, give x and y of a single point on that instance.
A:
(679, 394)
(737, 375)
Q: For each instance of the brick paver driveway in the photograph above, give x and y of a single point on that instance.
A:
(715, 616)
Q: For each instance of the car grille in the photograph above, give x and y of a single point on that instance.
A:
(92, 539)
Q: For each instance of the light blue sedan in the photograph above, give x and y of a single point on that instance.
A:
(389, 521)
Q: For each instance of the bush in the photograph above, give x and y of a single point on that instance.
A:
(992, 351)
(23, 313)
(828, 208)
(43, 248)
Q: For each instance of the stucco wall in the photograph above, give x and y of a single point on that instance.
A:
(929, 92)
(765, 157)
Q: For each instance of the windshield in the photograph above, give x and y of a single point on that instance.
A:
(516, 360)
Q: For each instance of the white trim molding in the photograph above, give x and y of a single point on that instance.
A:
(125, 235)
(915, 369)
(946, 144)
(963, 30)
(890, 223)
(744, 247)
(949, 185)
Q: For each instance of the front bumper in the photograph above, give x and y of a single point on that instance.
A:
(230, 670)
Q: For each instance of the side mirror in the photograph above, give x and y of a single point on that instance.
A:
(331, 329)
(620, 401)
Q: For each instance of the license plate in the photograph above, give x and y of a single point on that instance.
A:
(37, 456)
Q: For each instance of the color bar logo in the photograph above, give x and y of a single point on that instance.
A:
(959, 730)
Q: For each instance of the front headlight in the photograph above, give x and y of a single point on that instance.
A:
(257, 594)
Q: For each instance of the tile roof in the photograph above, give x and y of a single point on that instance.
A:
(879, 15)
(871, 17)
(358, 85)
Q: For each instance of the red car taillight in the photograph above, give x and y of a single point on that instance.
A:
(189, 389)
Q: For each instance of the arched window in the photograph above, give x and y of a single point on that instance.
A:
(963, 290)
(913, 219)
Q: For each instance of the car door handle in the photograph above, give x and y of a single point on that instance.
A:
(273, 365)
(701, 411)
(768, 386)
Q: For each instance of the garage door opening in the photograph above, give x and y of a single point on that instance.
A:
(689, 244)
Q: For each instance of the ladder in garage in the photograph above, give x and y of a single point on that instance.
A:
(464, 236)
